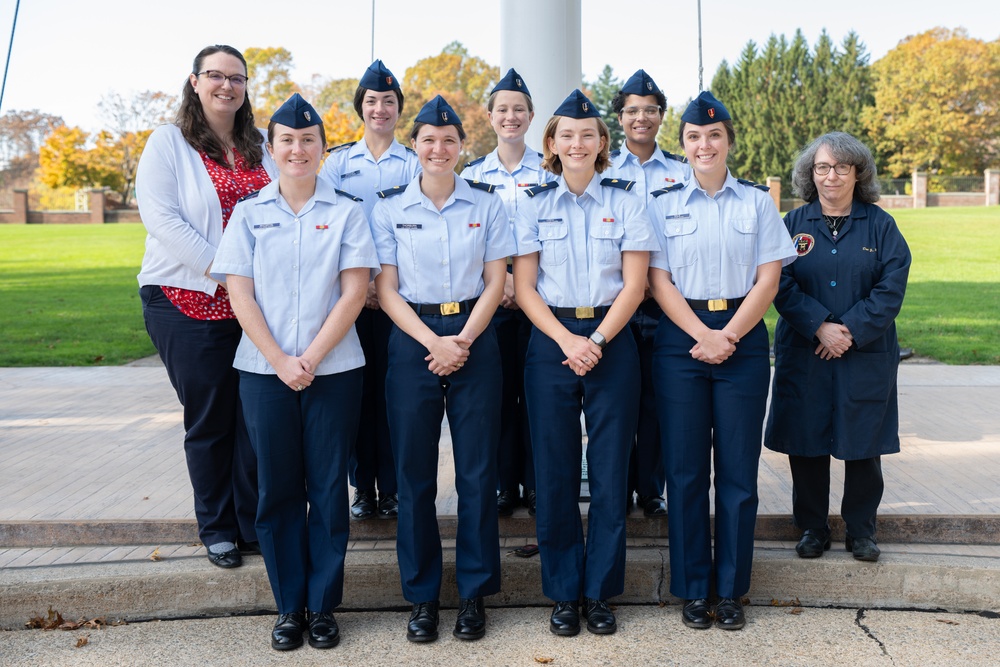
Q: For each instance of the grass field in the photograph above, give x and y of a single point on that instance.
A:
(68, 294)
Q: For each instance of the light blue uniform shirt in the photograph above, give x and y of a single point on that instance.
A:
(510, 186)
(439, 255)
(581, 240)
(295, 261)
(353, 168)
(657, 172)
(712, 246)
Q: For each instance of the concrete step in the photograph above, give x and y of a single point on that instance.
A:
(947, 577)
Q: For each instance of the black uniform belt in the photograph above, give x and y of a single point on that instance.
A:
(582, 312)
(715, 305)
(450, 308)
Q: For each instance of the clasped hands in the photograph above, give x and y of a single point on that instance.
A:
(448, 354)
(582, 354)
(834, 340)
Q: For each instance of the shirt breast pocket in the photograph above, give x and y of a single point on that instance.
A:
(741, 241)
(607, 240)
(681, 249)
(555, 243)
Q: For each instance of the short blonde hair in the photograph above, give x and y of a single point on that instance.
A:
(553, 164)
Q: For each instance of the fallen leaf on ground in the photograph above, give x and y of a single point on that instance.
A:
(795, 610)
(82, 641)
(544, 659)
(155, 556)
(946, 621)
(785, 603)
(51, 622)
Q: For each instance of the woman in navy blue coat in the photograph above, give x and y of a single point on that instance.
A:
(836, 352)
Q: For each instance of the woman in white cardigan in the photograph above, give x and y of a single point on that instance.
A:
(190, 176)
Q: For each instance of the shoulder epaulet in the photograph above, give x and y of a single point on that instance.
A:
(249, 196)
(479, 185)
(753, 185)
(619, 183)
(669, 188)
(671, 156)
(540, 188)
(348, 195)
(615, 153)
(475, 162)
(395, 190)
(410, 148)
(340, 147)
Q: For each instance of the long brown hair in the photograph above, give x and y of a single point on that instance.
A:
(191, 118)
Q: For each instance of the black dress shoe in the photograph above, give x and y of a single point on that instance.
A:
(248, 548)
(864, 548)
(697, 614)
(506, 502)
(565, 619)
(813, 543)
(388, 506)
(652, 506)
(226, 559)
(471, 622)
(600, 618)
(363, 506)
(287, 632)
(423, 625)
(529, 501)
(323, 630)
(729, 614)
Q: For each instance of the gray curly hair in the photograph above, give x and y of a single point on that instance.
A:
(845, 149)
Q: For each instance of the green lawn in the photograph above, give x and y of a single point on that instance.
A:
(68, 294)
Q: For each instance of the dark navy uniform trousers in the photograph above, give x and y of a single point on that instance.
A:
(198, 356)
(302, 440)
(515, 466)
(645, 474)
(608, 395)
(711, 414)
(416, 400)
(371, 457)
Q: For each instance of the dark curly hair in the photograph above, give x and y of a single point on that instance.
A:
(846, 149)
(193, 125)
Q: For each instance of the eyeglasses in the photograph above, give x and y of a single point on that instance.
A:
(635, 112)
(215, 76)
(822, 168)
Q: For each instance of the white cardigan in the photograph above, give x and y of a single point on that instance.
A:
(180, 208)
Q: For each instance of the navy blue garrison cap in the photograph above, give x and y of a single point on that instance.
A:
(577, 105)
(437, 112)
(378, 78)
(705, 110)
(640, 83)
(296, 113)
(511, 81)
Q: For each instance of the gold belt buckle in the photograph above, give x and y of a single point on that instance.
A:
(715, 305)
(451, 308)
(585, 313)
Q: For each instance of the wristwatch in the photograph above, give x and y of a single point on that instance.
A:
(598, 339)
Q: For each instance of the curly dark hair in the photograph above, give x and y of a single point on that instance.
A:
(191, 118)
(846, 149)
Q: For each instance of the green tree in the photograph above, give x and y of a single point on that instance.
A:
(936, 104)
(601, 92)
(270, 72)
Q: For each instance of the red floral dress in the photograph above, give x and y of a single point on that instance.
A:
(230, 185)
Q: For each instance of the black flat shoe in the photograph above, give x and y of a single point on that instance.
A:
(864, 548)
(529, 501)
(813, 544)
(471, 622)
(364, 506)
(506, 502)
(565, 619)
(248, 548)
(652, 506)
(287, 632)
(323, 630)
(423, 624)
(388, 506)
(600, 618)
(227, 559)
(697, 614)
(729, 614)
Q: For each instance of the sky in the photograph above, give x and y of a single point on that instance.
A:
(67, 54)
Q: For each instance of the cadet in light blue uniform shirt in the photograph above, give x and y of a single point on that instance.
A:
(583, 245)
(363, 168)
(639, 106)
(297, 257)
(723, 248)
(512, 168)
(443, 245)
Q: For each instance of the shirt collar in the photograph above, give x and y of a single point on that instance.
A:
(730, 184)
(529, 160)
(625, 155)
(594, 189)
(413, 195)
(360, 149)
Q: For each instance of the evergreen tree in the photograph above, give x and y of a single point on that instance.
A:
(601, 92)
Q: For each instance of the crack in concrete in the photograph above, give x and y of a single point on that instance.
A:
(663, 576)
(867, 631)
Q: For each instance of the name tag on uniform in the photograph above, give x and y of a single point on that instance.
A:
(267, 225)
(408, 225)
(351, 173)
(677, 216)
(541, 220)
